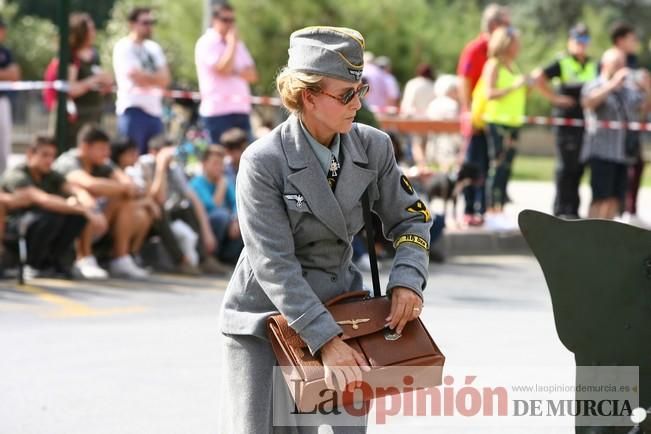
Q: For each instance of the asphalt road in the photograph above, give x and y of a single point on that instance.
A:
(143, 357)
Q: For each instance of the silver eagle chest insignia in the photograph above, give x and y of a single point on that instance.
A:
(297, 197)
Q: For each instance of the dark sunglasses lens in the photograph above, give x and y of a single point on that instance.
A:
(363, 90)
(348, 96)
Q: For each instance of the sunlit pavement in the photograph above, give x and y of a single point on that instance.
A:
(143, 357)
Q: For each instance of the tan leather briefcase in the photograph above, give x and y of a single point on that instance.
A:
(392, 357)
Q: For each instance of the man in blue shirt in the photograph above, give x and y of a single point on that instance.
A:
(217, 194)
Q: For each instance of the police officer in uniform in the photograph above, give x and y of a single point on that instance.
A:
(569, 73)
(299, 192)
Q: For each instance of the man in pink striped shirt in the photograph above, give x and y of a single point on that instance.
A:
(225, 70)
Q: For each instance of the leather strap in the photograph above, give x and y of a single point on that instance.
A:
(370, 240)
(370, 232)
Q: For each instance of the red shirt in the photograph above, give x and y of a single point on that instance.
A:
(473, 57)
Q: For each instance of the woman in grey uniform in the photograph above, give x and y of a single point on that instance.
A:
(299, 195)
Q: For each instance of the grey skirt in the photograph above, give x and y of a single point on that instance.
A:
(248, 394)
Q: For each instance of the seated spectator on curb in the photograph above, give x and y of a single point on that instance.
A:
(9, 202)
(234, 142)
(124, 155)
(111, 191)
(56, 215)
(166, 183)
(217, 195)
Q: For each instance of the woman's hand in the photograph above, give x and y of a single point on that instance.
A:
(406, 306)
(343, 365)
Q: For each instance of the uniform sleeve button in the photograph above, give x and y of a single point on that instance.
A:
(333, 278)
(340, 241)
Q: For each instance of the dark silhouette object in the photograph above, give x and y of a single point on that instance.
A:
(599, 277)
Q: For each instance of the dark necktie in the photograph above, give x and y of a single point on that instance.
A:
(333, 173)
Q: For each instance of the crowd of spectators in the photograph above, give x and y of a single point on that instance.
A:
(489, 94)
(121, 203)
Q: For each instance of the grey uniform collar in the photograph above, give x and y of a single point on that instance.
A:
(323, 153)
(297, 148)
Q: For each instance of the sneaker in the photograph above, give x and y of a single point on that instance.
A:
(212, 266)
(188, 269)
(633, 220)
(569, 216)
(125, 266)
(87, 268)
(473, 220)
(30, 272)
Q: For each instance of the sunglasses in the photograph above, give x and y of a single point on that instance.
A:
(147, 22)
(583, 40)
(350, 94)
(227, 20)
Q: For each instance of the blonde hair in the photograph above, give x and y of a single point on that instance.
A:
(291, 84)
(500, 41)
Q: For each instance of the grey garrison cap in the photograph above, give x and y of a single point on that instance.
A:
(335, 52)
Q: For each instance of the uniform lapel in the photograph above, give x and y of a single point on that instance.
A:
(353, 178)
(309, 180)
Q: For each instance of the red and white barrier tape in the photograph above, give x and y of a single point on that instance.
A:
(390, 110)
(173, 93)
(588, 123)
(33, 85)
(386, 110)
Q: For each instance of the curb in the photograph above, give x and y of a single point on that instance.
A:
(482, 242)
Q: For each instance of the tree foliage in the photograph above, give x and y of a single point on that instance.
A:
(47, 9)
(32, 40)
(409, 32)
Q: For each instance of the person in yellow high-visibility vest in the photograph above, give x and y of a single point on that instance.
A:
(505, 92)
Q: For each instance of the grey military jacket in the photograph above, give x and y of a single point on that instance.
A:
(297, 233)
